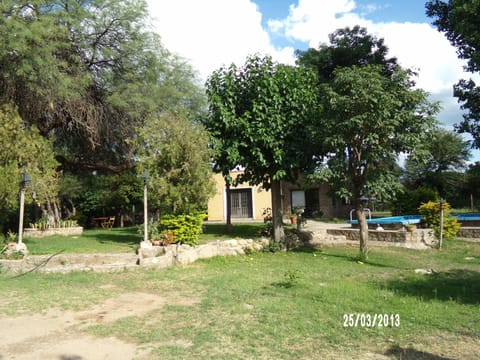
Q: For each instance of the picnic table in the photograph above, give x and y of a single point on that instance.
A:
(106, 222)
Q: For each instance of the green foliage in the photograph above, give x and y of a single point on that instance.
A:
(371, 113)
(408, 201)
(430, 212)
(261, 117)
(447, 154)
(458, 20)
(23, 146)
(175, 152)
(348, 47)
(88, 73)
(186, 228)
(274, 246)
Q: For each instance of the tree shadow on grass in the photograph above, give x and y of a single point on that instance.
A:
(460, 285)
(127, 236)
(348, 257)
(241, 230)
(397, 352)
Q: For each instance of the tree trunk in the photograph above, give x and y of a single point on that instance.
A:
(229, 207)
(362, 222)
(278, 233)
(56, 213)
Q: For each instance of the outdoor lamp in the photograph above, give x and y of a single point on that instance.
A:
(26, 180)
(145, 177)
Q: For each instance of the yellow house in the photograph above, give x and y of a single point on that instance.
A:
(249, 202)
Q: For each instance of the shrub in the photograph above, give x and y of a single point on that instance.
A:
(430, 212)
(186, 228)
(408, 202)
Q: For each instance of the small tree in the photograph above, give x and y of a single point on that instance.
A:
(262, 117)
(430, 212)
(23, 146)
(175, 152)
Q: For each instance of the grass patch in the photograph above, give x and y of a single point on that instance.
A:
(116, 240)
(285, 305)
(125, 240)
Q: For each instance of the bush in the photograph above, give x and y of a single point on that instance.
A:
(186, 228)
(408, 202)
(430, 212)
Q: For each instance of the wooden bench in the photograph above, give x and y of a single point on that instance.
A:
(105, 222)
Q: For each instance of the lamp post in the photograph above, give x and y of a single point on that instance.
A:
(26, 181)
(145, 178)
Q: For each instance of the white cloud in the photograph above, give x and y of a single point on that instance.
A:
(311, 20)
(213, 33)
(416, 45)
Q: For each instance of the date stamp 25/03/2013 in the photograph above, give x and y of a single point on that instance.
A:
(371, 320)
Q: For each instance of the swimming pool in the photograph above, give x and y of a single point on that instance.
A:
(467, 217)
(394, 220)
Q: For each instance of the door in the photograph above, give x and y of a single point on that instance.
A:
(241, 203)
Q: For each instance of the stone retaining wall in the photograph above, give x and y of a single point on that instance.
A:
(36, 233)
(469, 232)
(161, 257)
(418, 235)
(154, 257)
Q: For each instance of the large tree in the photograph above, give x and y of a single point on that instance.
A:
(448, 153)
(368, 120)
(361, 152)
(87, 73)
(262, 117)
(347, 47)
(460, 21)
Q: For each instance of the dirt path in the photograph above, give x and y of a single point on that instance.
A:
(58, 334)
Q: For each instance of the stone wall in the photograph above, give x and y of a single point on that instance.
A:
(154, 257)
(161, 257)
(469, 232)
(415, 239)
(67, 231)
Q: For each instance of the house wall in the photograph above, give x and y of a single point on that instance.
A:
(329, 207)
(261, 199)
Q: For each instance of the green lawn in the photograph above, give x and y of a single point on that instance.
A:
(284, 305)
(116, 240)
(124, 240)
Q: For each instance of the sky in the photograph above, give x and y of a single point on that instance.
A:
(214, 33)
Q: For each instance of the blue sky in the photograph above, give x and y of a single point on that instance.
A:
(213, 33)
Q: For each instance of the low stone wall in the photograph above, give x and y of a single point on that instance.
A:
(154, 257)
(418, 239)
(469, 232)
(37, 233)
(65, 263)
(161, 257)
(416, 236)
